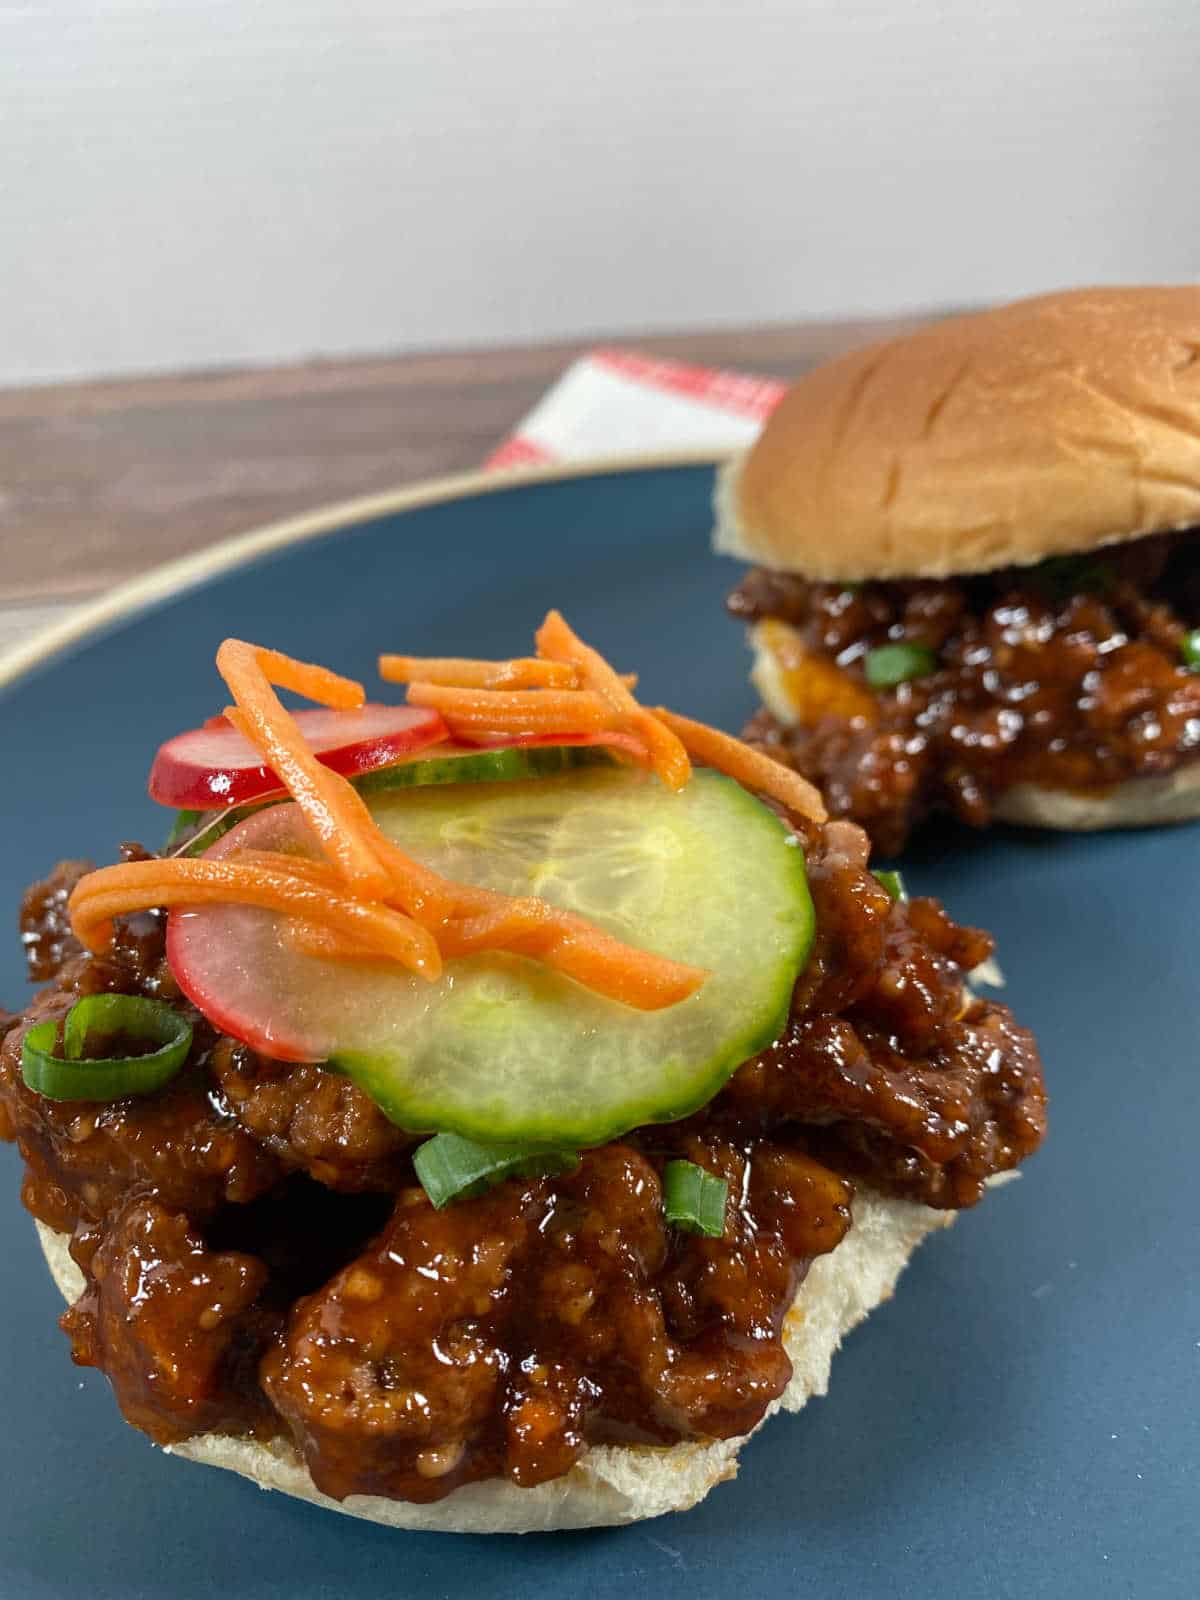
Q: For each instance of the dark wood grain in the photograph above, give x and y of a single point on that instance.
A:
(100, 481)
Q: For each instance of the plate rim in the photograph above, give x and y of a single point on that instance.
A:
(184, 573)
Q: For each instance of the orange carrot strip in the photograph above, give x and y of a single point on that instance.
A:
(636, 978)
(323, 944)
(149, 885)
(455, 673)
(517, 710)
(312, 681)
(424, 893)
(419, 890)
(333, 808)
(557, 640)
(751, 768)
(559, 940)
(465, 918)
(308, 869)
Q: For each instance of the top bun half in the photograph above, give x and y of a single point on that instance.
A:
(1048, 427)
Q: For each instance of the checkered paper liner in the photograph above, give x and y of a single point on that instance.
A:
(617, 403)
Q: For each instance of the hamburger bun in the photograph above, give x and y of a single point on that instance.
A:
(1048, 427)
(610, 1484)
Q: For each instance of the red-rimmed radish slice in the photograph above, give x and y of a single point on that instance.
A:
(213, 951)
(214, 766)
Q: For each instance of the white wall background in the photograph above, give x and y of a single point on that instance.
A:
(196, 182)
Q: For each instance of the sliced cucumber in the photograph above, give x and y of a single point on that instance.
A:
(463, 764)
(506, 765)
(501, 1048)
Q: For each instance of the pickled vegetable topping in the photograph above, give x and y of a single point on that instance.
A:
(504, 1048)
(450, 936)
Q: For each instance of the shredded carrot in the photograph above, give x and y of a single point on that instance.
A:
(423, 893)
(370, 864)
(323, 944)
(559, 642)
(576, 948)
(517, 710)
(368, 900)
(332, 806)
(465, 919)
(565, 943)
(149, 885)
(307, 678)
(751, 768)
(308, 869)
(523, 672)
(455, 672)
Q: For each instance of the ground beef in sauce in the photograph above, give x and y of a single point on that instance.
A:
(1069, 675)
(259, 1259)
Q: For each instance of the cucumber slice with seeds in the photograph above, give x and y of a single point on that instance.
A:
(502, 1049)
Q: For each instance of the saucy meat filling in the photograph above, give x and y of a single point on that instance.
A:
(1070, 675)
(259, 1258)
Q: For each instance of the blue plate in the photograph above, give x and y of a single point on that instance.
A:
(1022, 1419)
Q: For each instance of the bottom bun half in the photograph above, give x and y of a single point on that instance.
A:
(1137, 803)
(610, 1484)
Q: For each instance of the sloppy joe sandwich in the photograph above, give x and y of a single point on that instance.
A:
(485, 1111)
(977, 580)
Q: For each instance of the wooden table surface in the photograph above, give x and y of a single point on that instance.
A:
(101, 481)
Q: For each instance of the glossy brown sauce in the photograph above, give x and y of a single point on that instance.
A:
(259, 1259)
(1069, 675)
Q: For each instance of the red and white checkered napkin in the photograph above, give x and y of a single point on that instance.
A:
(614, 403)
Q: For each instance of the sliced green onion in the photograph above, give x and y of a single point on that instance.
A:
(78, 1076)
(1190, 648)
(897, 663)
(892, 882)
(452, 1168)
(693, 1199)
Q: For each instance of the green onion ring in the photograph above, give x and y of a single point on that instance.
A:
(1189, 649)
(74, 1076)
(453, 1168)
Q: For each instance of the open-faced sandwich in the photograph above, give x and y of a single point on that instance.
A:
(978, 580)
(489, 1109)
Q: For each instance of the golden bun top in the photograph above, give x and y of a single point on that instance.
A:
(1047, 427)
